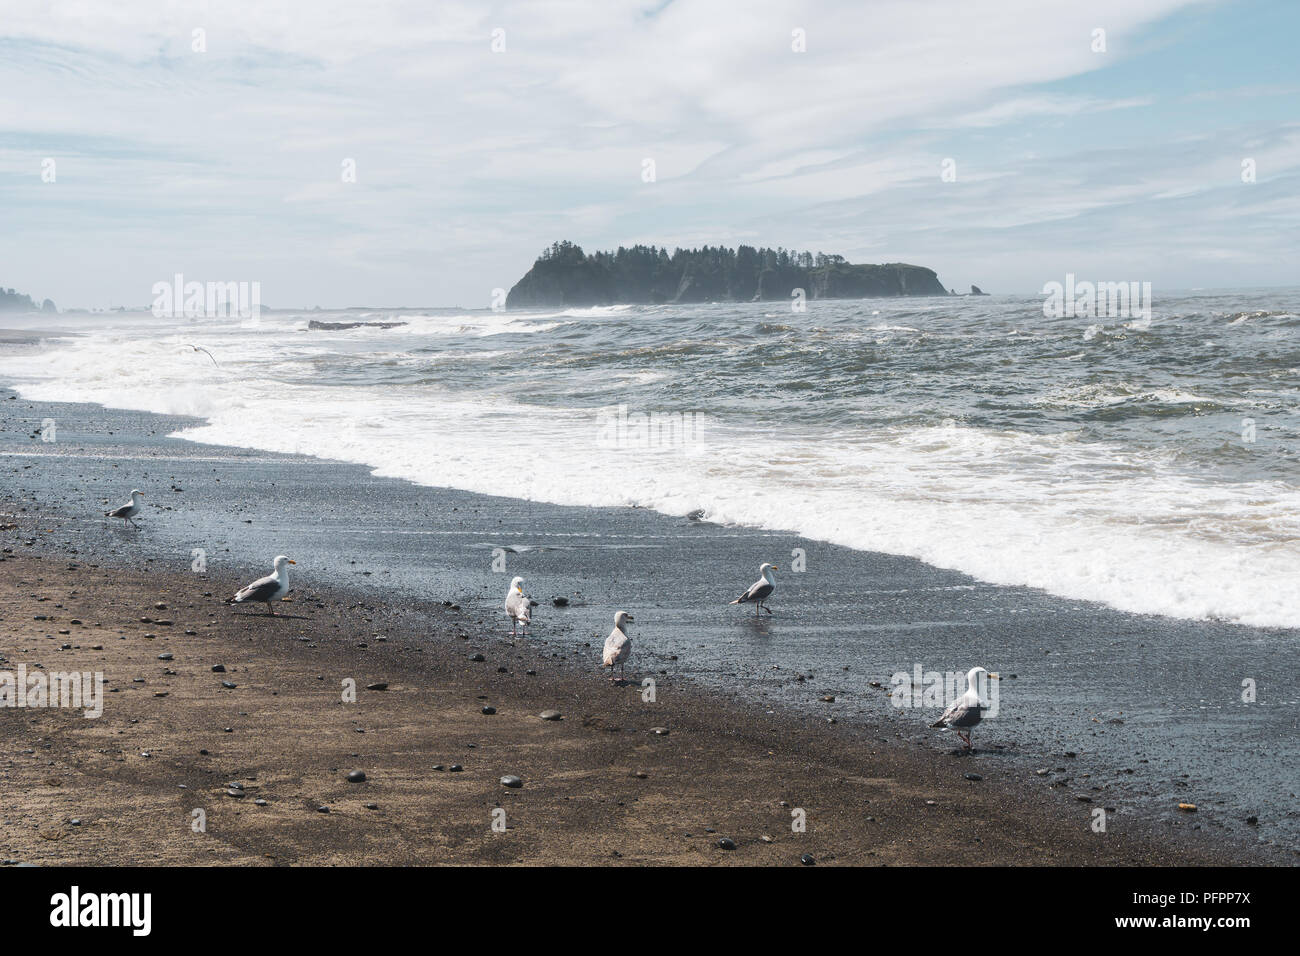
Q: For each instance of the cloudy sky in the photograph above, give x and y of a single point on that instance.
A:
(227, 162)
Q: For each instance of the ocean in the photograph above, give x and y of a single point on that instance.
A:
(1148, 464)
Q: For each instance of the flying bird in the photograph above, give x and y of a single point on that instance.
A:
(198, 348)
(270, 588)
(966, 711)
(618, 646)
(128, 510)
(760, 590)
(519, 607)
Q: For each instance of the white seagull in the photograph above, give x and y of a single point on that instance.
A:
(519, 607)
(760, 590)
(966, 711)
(128, 510)
(270, 588)
(618, 646)
(199, 348)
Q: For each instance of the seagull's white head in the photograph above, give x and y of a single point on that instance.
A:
(136, 493)
(621, 620)
(517, 585)
(767, 569)
(974, 674)
(280, 561)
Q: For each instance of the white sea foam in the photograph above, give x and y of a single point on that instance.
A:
(1083, 520)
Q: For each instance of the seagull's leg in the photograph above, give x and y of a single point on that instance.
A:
(269, 609)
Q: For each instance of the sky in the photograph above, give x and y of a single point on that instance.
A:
(1003, 144)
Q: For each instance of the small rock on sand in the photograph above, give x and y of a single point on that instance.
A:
(357, 776)
(550, 715)
(511, 781)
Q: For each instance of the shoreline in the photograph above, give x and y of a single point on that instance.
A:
(568, 643)
(600, 785)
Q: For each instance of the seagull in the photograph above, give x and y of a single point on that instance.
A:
(198, 348)
(760, 590)
(269, 588)
(519, 608)
(966, 711)
(618, 646)
(128, 510)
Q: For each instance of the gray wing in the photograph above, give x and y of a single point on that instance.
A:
(121, 512)
(757, 591)
(263, 589)
(960, 714)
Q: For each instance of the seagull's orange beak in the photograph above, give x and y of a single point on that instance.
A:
(292, 561)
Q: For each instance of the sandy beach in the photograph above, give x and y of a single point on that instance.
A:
(603, 784)
(617, 779)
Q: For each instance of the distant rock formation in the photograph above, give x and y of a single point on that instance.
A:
(318, 326)
(975, 290)
(564, 276)
(11, 301)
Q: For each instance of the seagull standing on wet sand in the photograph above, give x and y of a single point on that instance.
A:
(760, 590)
(128, 510)
(966, 711)
(618, 646)
(270, 588)
(519, 607)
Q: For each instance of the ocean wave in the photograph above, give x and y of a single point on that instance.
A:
(1094, 520)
